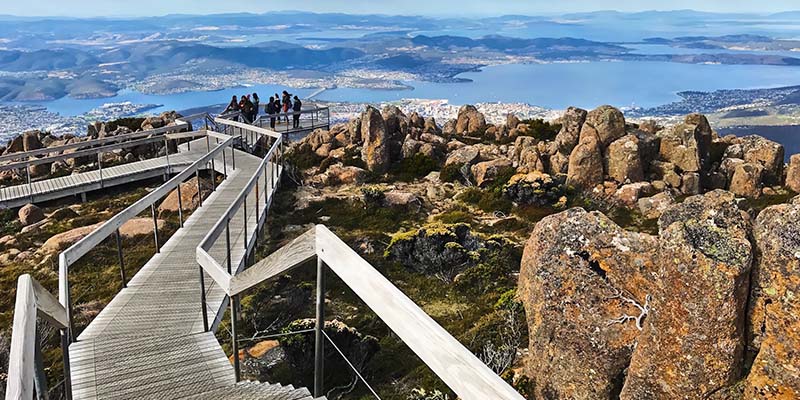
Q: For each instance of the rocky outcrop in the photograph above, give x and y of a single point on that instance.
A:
(190, 196)
(30, 214)
(580, 275)
(680, 145)
(746, 180)
(774, 311)
(469, 121)
(571, 123)
(609, 123)
(652, 207)
(692, 343)
(486, 172)
(586, 161)
(535, 188)
(755, 149)
(376, 152)
(624, 160)
(793, 173)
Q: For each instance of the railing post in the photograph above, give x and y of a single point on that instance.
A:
(203, 298)
(39, 378)
(166, 151)
(199, 188)
(180, 205)
(234, 337)
(100, 167)
(155, 226)
(65, 361)
(213, 176)
(30, 185)
(244, 213)
(319, 345)
(224, 164)
(228, 243)
(233, 157)
(121, 261)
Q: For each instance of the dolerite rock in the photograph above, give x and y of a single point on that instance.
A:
(431, 127)
(30, 141)
(746, 180)
(397, 123)
(628, 195)
(530, 160)
(680, 145)
(571, 123)
(774, 317)
(704, 135)
(652, 207)
(470, 120)
(30, 214)
(580, 273)
(14, 145)
(375, 151)
(416, 121)
(512, 121)
(755, 149)
(586, 161)
(690, 183)
(624, 160)
(609, 122)
(486, 172)
(793, 173)
(38, 170)
(534, 188)
(692, 343)
(466, 155)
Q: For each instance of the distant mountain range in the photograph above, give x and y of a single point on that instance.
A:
(47, 58)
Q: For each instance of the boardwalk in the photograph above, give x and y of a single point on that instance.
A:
(148, 342)
(54, 188)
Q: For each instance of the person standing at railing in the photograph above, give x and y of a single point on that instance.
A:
(271, 111)
(233, 106)
(247, 108)
(296, 107)
(287, 104)
(256, 102)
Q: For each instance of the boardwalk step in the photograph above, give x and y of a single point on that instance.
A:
(254, 390)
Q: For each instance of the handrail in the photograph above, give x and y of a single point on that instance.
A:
(252, 128)
(94, 142)
(24, 367)
(318, 116)
(458, 367)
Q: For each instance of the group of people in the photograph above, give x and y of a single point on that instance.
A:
(247, 106)
(276, 107)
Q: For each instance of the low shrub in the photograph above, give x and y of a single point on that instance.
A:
(415, 167)
(540, 129)
(452, 173)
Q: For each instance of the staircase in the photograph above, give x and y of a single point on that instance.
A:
(250, 390)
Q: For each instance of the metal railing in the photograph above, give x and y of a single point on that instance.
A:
(262, 184)
(26, 373)
(89, 149)
(461, 370)
(305, 120)
(112, 226)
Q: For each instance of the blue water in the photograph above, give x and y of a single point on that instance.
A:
(558, 85)
(587, 85)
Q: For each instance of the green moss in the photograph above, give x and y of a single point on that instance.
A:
(451, 173)
(413, 168)
(487, 201)
(303, 157)
(455, 217)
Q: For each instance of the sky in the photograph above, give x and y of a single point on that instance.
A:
(109, 8)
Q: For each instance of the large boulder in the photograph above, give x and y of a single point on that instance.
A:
(571, 123)
(190, 196)
(586, 161)
(624, 160)
(774, 310)
(61, 241)
(376, 149)
(755, 149)
(470, 121)
(534, 188)
(680, 145)
(652, 207)
(30, 140)
(30, 214)
(466, 155)
(793, 173)
(485, 173)
(580, 275)
(609, 123)
(692, 343)
(746, 180)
